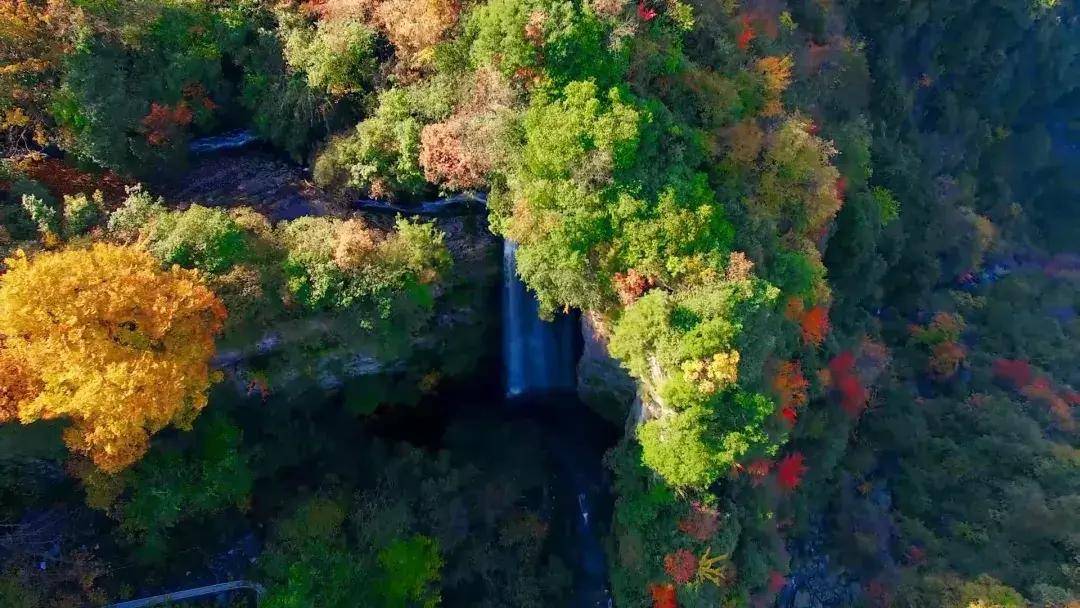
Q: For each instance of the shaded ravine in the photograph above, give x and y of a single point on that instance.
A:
(540, 370)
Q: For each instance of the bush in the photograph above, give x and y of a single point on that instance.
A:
(81, 213)
(336, 55)
(136, 213)
(382, 157)
(199, 237)
(331, 264)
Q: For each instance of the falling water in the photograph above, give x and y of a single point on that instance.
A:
(538, 355)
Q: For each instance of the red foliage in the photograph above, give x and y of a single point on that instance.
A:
(879, 594)
(747, 33)
(916, 555)
(645, 13)
(853, 395)
(164, 122)
(681, 566)
(842, 364)
(790, 471)
(701, 523)
(663, 596)
(790, 415)
(776, 581)
(815, 325)
(61, 179)
(841, 187)
(790, 385)
(1015, 371)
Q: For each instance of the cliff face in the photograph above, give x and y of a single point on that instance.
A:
(422, 346)
(602, 383)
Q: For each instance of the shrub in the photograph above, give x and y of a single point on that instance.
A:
(81, 213)
(336, 55)
(381, 157)
(199, 237)
(136, 213)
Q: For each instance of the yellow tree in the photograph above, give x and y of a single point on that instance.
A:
(105, 338)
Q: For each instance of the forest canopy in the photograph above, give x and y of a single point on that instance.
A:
(822, 255)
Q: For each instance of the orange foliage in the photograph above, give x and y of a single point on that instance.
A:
(33, 42)
(790, 471)
(758, 470)
(663, 596)
(17, 385)
(454, 153)
(413, 26)
(946, 358)
(164, 122)
(631, 286)
(815, 325)
(1042, 389)
(791, 385)
(681, 566)
(739, 267)
(117, 345)
(776, 73)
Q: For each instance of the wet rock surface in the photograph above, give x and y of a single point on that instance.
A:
(260, 179)
(815, 580)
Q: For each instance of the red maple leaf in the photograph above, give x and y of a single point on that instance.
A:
(645, 13)
(790, 471)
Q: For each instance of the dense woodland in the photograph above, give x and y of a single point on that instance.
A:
(830, 243)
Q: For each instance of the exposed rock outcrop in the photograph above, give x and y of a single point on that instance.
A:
(602, 383)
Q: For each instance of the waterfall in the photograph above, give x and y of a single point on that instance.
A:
(538, 355)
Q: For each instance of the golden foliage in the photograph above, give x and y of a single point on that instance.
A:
(414, 26)
(357, 244)
(116, 345)
(718, 570)
(713, 374)
(776, 73)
